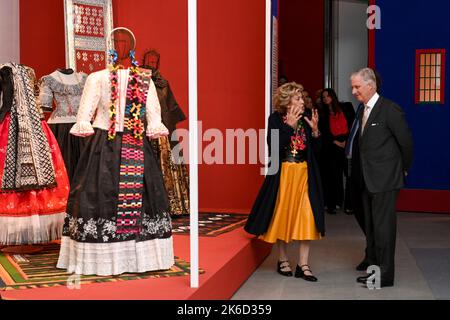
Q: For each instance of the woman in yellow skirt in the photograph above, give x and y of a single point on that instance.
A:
(289, 206)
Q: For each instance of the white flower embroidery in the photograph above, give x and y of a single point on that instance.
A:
(90, 228)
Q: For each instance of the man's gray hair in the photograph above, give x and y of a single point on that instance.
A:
(367, 75)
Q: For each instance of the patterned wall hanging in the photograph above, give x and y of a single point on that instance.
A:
(88, 24)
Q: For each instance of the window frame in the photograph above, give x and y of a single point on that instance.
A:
(417, 88)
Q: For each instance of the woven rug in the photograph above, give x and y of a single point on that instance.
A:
(27, 271)
(210, 224)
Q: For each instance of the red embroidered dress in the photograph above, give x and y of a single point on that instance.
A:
(34, 184)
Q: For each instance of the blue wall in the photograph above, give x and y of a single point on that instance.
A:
(405, 27)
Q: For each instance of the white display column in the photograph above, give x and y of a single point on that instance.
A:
(9, 31)
(193, 141)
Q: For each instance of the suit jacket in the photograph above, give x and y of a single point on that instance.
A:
(385, 147)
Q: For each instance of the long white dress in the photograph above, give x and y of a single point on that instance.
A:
(92, 242)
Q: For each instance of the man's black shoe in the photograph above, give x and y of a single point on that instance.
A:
(363, 279)
(362, 266)
(383, 284)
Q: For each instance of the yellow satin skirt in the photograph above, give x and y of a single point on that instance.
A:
(293, 217)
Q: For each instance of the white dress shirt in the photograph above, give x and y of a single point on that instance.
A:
(368, 109)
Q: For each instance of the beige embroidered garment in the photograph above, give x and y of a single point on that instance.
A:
(96, 101)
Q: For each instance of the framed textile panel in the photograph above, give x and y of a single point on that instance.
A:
(88, 24)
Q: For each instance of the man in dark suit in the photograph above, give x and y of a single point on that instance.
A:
(385, 156)
(354, 182)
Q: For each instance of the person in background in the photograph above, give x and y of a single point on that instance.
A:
(282, 80)
(318, 99)
(289, 206)
(335, 129)
(305, 94)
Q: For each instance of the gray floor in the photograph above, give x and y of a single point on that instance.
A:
(422, 264)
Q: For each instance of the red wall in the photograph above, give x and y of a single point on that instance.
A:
(42, 39)
(301, 34)
(231, 92)
(230, 71)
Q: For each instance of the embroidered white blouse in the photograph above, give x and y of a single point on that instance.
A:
(65, 90)
(96, 100)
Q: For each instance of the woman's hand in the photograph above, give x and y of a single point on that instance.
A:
(314, 122)
(292, 116)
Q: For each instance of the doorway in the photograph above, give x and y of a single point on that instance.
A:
(320, 43)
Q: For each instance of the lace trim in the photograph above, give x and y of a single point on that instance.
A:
(32, 229)
(159, 131)
(115, 258)
(82, 129)
(62, 88)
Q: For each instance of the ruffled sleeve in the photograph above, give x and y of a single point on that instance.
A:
(88, 104)
(155, 127)
(45, 98)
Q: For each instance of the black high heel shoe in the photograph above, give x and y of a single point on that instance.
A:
(300, 273)
(284, 265)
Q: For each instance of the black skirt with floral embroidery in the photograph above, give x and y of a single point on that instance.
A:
(92, 204)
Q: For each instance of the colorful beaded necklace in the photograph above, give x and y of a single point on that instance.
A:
(134, 94)
(131, 180)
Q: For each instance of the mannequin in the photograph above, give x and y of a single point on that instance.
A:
(151, 60)
(176, 176)
(62, 89)
(117, 219)
(34, 184)
(124, 42)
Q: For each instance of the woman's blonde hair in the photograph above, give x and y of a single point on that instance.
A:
(283, 96)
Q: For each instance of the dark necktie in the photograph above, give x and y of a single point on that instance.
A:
(353, 131)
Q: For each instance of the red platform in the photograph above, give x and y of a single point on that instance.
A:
(228, 260)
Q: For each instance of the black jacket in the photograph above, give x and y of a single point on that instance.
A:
(385, 148)
(171, 112)
(7, 90)
(263, 208)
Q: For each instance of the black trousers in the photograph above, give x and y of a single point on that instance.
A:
(332, 172)
(353, 193)
(381, 230)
